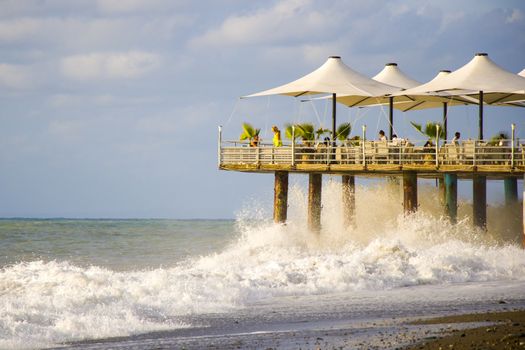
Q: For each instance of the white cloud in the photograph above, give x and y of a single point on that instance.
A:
(515, 16)
(290, 19)
(95, 66)
(66, 129)
(15, 76)
(126, 6)
(12, 30)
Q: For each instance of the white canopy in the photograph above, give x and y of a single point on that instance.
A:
(418, 97)
(332, 77)
(481, 74)
(392, 75)
(522, 73)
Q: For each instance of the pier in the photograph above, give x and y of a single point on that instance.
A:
(481, 81)
(472, 159)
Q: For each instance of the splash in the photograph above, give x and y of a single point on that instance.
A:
(45, 303)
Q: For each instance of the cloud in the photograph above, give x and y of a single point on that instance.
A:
(515, 16)
(290, 19)
(96, 66)
(15, 76)
(127, 6)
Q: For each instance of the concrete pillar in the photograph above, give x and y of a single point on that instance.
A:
(315, 184)
(479, 191)
(348, 192)
(451, 196)
(409, 192)
(511, 190)
(442, 191)
(280, 197)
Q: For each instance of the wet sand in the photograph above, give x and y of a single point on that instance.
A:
(499, 330)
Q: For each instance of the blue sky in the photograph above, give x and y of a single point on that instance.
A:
(111, 108)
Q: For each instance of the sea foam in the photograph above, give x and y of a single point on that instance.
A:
(44, 303)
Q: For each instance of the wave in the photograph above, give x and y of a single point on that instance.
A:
(45, 303)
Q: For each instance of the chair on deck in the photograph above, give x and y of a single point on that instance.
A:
(381, 154)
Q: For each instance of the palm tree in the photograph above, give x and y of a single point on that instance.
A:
(430, 130)
(288, 131)
(248, 132)
(343, 131)
(306, 131)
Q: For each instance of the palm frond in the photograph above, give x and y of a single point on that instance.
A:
(343, 131)
(248, 132)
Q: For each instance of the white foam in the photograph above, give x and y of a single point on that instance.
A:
(43, 303)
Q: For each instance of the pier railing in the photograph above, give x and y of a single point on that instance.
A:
(507, 153)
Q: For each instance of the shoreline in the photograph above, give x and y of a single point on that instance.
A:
(498, 328)
(491, 330)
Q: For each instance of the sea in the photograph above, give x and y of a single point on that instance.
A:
(248, 282)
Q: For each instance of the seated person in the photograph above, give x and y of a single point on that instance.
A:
(382, 136)
(455, 140)
(503, 142)
(255, 141)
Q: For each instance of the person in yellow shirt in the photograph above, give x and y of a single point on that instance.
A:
(277, 142)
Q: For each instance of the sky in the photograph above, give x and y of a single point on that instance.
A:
(110, 108)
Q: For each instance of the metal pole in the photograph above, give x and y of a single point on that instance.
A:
(480, 117)
(391, 115)
(293, 145)
(445, 120)
(363, 144)
(334, 112)
(437, 145)
(513, 128)
(219, 160)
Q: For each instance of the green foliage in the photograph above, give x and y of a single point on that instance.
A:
(248, 132)
(306, 131)
(288, 131)
(320, 132)
(430, 130)
(343, 131)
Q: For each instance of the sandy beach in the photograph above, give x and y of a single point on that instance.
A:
(502, 327)
(499, 330)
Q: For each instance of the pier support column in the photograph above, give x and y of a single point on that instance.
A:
(511, 190)
(479, 198)
(451, 196)
(315, 183)
(409, 192)
(348, 191)
(523, 237)
(442, 192)
(280, 197)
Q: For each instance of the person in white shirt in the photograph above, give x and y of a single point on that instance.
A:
(455, 140)
(382, 136)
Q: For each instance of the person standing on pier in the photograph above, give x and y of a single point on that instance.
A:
(277, 142)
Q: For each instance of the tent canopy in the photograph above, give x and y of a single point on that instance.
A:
(392, 75)
(418, 97)
(481, 74)
(333, 77)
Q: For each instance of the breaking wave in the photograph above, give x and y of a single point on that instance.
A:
(45, 303)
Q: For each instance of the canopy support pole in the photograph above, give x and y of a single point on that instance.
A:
(480, 118)
(391, 115)
(334, 111)
(445, 120)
